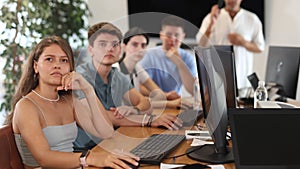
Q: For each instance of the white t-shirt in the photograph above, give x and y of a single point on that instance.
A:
(244, 23)
(139, 76)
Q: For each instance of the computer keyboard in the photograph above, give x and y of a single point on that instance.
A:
(156, 147)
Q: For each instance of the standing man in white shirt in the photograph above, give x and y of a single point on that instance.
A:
(233, 25)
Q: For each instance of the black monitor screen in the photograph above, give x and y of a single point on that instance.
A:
(283, 68)
(226, 55)
(253, 79)
(213, 96)
(265, 138)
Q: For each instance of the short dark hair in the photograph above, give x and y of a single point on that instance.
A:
(172, 20)
(103, 27)
(135, 31)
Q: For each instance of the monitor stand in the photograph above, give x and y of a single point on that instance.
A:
(207, 153)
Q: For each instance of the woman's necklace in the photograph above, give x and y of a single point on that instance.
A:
(50, 100)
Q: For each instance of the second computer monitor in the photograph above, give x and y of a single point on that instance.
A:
(226, 55)
(283, 68)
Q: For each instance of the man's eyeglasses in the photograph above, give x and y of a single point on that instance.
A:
(173, 35)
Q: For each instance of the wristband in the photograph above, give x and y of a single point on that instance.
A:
(144, 118)
(83, 157)
(150, 120)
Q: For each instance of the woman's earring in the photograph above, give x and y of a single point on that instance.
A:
(35, 77)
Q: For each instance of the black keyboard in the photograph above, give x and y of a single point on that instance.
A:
(156, 147)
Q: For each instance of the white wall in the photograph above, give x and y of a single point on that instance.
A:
(282, 26)
(114, 11)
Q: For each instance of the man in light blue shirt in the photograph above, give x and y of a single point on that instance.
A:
(169, 66)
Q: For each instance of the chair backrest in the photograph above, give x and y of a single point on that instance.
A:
(9, 155)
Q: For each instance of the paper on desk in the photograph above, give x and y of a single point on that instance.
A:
(203, 134)
(199, 142)
(219, 166)
(170, 166)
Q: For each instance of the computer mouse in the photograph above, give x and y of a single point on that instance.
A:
(163, 127)
(195, 166)
(131, 165)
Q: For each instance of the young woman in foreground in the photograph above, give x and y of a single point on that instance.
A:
(45, 112)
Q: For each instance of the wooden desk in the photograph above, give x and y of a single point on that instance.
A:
(293, 102)
(127, 138)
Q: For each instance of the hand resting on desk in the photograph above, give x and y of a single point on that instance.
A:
(187, 118)
(131, 166)
(114, 159)
(160, 119)
(167, 121)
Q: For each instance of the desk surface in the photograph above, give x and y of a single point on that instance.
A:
(127, 138)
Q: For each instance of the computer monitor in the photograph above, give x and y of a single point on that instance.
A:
(228, 48)
(253, 79)
(212, 90)
(265, 138)
(224, 47)
(283, 68)
(226, 55)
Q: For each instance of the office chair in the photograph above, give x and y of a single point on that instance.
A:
(9, 155)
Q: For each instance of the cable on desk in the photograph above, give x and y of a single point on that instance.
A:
(174, 157)
(229, 136)
(228, 131)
